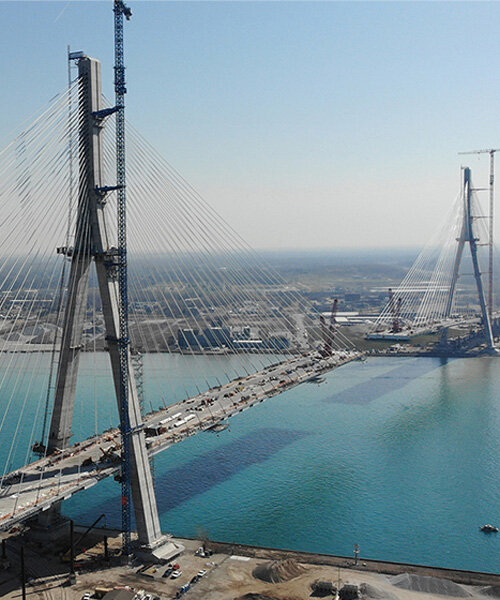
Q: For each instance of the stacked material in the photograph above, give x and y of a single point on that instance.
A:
(323, 587)
(277, 571)
(429, 585)
(349, 591)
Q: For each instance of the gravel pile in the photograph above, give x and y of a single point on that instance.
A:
(430, 585)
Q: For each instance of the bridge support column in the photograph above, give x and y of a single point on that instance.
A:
(467, 236)
(49, 526)
(93, 243)
(475, 262)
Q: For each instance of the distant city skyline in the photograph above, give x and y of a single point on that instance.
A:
(304, 124)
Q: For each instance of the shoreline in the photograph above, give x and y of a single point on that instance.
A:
(462, 576)
(228, 572)
(387, 567)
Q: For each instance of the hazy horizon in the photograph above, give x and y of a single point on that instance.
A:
(304, 124)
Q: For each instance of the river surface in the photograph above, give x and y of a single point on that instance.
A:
(398, 455)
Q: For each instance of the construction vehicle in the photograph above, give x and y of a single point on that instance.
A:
(112, 453)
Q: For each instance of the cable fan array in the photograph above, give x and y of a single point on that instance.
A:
(422, 299)
(37, 192)
(197, 290)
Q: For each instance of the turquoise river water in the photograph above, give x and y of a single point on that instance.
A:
(399, 455)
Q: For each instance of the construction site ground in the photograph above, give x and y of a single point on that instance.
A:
(229, 574)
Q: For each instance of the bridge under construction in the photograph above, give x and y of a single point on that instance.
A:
(46, 482)
(426, 300)
(167, 268)
(96, 247)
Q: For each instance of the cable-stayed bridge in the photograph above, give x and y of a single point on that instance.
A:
(77, 276)
(95, 259)
(444, 287)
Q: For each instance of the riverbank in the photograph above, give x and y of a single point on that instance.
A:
(230, 572)
(475, 578)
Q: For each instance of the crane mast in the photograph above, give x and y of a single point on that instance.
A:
(120, 11)
(491, 233)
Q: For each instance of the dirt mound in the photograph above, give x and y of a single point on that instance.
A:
(278, 571)
(430, 585)
(370, 592)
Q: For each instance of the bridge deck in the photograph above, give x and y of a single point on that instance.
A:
(36, 487)
(415, 330)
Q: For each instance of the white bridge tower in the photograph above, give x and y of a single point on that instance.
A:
(93, 245)
(467, 236)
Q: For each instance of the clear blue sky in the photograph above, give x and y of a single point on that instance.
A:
(309, 124)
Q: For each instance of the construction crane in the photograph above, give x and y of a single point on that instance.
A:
(121, 10)
(395, 308)
(491, 152)
(329, 333)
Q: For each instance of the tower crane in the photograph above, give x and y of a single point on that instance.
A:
(121, 10)
(491, 152)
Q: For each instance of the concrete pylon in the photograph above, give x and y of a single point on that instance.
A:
(467, 236)
(93, 244)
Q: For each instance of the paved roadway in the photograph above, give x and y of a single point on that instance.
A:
(36, 487)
